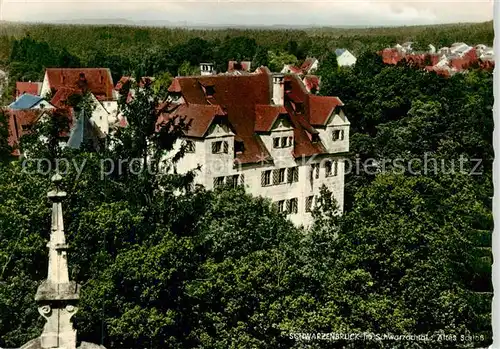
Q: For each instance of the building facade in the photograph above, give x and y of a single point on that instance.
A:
(263, 131)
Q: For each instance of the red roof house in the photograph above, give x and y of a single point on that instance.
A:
(234, 66)
(98, 81)
(245, 103)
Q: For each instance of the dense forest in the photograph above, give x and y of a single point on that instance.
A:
(26, 49)
(222, 269)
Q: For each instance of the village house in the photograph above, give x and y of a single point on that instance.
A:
(61, 83)
(445, 61)
(53, 97)
(344, 57)
(236, 67)
(263, 131)
(27, 87)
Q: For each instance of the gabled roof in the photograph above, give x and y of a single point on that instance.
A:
(96, 80)
(321, 107)
(238, 66)
(307, 64)
(124, 79)
(25, 101)
(311, 82)
(266, 116)
(198, 117)
(340, 51)
(61, 97)
(27, 87)
(246, 99)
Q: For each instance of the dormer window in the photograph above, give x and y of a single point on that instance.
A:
(209, 91)
(315, 138)
(282, 142)
(238, 147)
(299, 108)
(338, 135)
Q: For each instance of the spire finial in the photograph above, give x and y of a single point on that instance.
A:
(57, 296)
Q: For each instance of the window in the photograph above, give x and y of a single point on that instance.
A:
(190, 146)
(335, 167)
(282, 142)
(328, 169)
(276, 142)
(293, 175)
(266, 178)
(315, 171)
(210, 91)
(281, 205)
(238, 147)
(219, 147)
(281, 175)
(309, 203)
(299, 108)
(242, 179)
(292, 206)
(315, 138)
(276, 176)
(218, 182)
(338, 135)
(233, 180)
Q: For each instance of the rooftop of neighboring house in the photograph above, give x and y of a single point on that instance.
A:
(308, 63)
(96, 80)
(21, 121)
(27, 87)
(25, 101)
(124, 79)
(244, 103)
(233, 66)
(340, 51)
(311, 82)
(456, 61)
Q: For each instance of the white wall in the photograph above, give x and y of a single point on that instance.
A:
(45, 86)
(346, 59)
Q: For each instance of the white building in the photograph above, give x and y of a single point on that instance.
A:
(265, 132)
(345, 58)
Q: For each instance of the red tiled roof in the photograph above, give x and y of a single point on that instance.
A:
(238, 66)
(307, 64)
(175, 86)
(311, 82)
(124, 79)
(390, 56)
(198, 117)
(27, 87)
(266, 115)
(295, 70)
(96, 80)
(320, 108)
(61, 96)
(247, 101)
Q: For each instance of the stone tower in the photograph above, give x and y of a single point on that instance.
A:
(57, 296)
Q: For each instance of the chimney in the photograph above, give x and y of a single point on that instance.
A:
(278, 89)
(206, 68)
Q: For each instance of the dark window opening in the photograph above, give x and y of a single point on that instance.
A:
(210, 91)
(239, 147)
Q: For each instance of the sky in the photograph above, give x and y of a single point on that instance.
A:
(238, 12)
